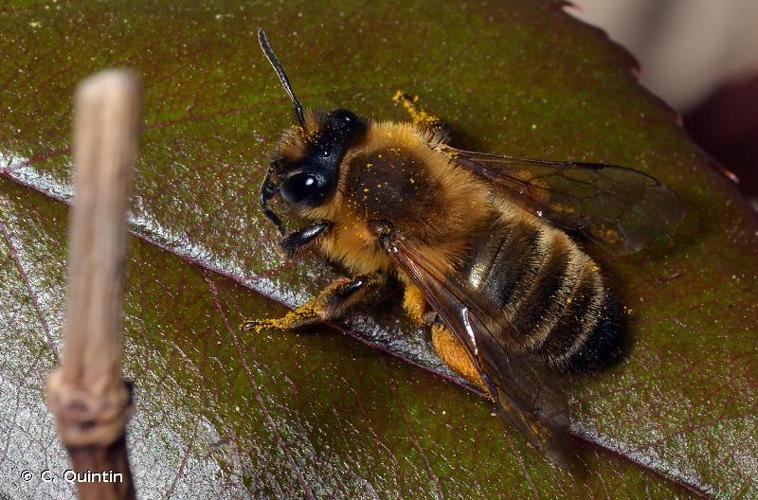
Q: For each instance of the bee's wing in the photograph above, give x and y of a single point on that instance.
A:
(524, 394)
(621, 208)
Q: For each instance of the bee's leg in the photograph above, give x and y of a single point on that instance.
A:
(330, 303)
(447, 347)
(298, 241)
(454, 355)
(421, 118)
(417, 307)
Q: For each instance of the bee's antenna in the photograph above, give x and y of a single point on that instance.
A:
(269, 53)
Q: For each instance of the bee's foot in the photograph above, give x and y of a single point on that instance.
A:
(306, 315)
(254, 325)
(401, 97)
(258, 325)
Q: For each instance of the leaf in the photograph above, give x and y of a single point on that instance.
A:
(222, 414)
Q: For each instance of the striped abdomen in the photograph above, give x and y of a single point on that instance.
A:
(549, 290)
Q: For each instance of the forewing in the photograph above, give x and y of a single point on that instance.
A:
(524, 394)
(620, 208)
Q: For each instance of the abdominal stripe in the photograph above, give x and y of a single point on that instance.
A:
(549, 290)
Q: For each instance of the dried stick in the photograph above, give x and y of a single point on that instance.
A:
(91, 402)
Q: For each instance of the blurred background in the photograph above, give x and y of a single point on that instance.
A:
(701, 56)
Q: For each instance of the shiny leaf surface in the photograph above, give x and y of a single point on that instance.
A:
(221, 414)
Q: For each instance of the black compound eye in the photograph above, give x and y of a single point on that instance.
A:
(342, 119)
(298, 187)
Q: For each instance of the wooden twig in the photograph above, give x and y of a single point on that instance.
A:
(90, 400)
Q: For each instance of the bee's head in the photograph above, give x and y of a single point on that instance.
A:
(306, 164)
(305, 167)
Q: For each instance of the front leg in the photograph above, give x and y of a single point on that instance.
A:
(331, 303)
(299, 241)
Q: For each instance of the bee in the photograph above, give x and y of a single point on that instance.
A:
(480, 243)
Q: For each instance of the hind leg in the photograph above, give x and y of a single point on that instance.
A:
(454, 355)
(447, 347)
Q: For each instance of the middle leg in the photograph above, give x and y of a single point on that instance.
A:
(330, 303)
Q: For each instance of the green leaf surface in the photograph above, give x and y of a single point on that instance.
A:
(222, 414)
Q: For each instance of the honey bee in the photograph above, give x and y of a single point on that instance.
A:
(480, 243)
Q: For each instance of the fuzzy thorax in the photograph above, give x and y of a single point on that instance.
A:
(396, 175)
